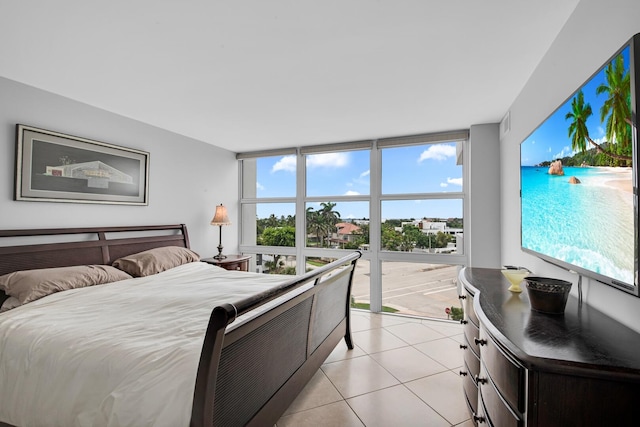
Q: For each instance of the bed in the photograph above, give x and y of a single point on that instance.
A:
(234, 351)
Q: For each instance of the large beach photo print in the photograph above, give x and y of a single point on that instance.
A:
(577, 179)
(55, 167)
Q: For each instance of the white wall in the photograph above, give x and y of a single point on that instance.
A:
(484, 191)
(187, 178)
(594, 32)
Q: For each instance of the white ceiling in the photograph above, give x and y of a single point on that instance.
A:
(258, 74)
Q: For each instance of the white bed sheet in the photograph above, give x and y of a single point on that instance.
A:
(120, 354)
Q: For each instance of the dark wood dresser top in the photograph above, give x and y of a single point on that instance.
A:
(583, 339)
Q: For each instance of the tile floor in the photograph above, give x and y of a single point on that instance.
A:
(402, 372)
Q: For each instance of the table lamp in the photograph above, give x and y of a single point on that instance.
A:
(220, 218)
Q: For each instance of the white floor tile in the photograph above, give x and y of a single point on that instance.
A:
(332, 415)
(401, 372)
(341, 352)
(375, 340)
(407, 363)
(414, 333)
(395, 406)
(443, 392)
(445, 351)
(318, 392)
(359, 375)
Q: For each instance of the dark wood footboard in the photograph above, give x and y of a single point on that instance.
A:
(251, 375)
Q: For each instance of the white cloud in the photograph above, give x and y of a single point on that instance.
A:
(287, 163)
(259, 186)
(361, 180)
(455, 181)
(452, 181)
(333, 160)
(438, 152)
(566, 151)
(351, 193)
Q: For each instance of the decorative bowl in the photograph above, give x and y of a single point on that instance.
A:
(515, 277)
(547, 295)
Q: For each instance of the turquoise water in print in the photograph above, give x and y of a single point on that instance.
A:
(588, 224)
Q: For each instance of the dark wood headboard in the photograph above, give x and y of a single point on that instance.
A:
(29, 249)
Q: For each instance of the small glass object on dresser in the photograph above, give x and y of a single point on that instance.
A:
(515, 276)
(230, 262)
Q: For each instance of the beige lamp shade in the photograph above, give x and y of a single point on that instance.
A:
(220, 217)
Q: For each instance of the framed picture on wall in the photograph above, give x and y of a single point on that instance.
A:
(54, 167)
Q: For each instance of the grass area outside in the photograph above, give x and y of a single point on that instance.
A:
(364, 306)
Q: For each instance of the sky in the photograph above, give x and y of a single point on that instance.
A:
(551, 139)
(413, 169)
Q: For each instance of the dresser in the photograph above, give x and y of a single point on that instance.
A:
(524, 368)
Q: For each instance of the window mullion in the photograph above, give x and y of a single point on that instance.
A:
(375, 224)
(301, 217)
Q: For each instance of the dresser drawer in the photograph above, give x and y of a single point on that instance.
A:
(507, 375)
(480, 417)
(470, 409)
(467, 303)
(470, 391)
(494, 408)
(472, 333)
(472, 361)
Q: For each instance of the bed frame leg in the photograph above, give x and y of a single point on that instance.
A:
(347, 339)
(347, 335)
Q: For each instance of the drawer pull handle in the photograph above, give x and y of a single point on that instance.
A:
(478, 418)
(462, 346)
(464, 322)
(464, 373)
(479, 341)
(462, 296)
(480, 380)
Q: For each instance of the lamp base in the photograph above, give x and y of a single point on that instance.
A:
(219, 256)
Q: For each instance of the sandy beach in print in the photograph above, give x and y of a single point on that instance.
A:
(623, 179)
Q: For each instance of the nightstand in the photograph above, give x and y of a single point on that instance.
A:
(231, 262)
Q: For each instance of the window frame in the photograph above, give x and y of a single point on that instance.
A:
(375, 254)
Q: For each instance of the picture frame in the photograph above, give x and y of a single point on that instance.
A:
(55, 167)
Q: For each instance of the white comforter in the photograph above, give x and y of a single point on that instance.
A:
(121, 354)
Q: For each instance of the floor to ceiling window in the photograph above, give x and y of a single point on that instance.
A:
(398, 200)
